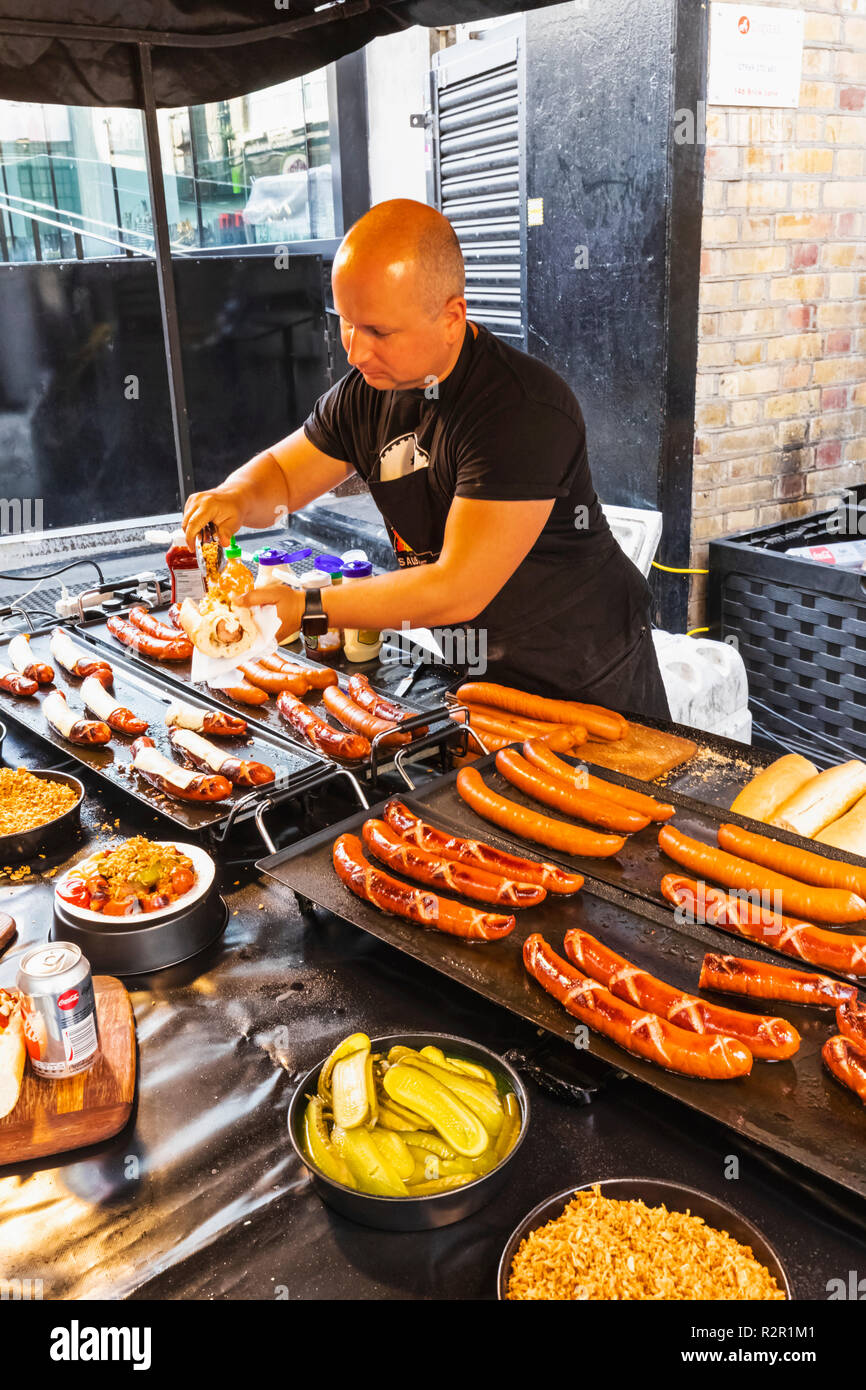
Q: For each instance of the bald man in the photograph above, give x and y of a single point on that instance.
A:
(476, 456)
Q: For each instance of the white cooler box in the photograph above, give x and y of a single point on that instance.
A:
(706, 684)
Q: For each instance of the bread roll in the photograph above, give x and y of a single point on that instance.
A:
(822, 800)
(766, 792)
(217, 629)
(849, 831)
(12, 1051)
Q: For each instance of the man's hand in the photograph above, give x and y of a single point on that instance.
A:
(288, 602)
(218, 506)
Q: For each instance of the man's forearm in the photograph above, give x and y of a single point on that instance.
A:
(422, 597)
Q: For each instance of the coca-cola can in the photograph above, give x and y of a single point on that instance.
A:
(59, 1010)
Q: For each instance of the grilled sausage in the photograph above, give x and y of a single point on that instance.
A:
(851, 1022)
(243, 693)
(474, 852)
(141, 618)
(733, 975)
(16, 684)
(528, 824)
(416, 904)
(814, 904)
(198, 752)
(541, 755)
(359, 720)
(70, 725)
(773, 1039)
(553, 791)
(832, 950)
(105, 707)
(847, 1064)
(22, 659)
(159, 648)
(176, 781)
(463, 879)
(789, 859)
(204, 721)
(599, 723)
(319, 733)
(67, 655)
(644, 1034)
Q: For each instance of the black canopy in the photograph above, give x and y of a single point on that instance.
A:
(84, 52)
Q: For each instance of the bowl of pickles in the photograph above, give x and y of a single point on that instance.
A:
(410, 1132)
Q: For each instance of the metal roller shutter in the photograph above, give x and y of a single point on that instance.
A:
(478, 174)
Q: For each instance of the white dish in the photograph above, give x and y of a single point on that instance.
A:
(203, 867)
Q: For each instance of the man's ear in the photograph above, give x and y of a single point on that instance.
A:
(454, 316)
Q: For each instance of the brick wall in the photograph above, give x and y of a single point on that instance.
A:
(781, 387)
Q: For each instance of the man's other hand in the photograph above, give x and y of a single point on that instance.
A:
(288, 602)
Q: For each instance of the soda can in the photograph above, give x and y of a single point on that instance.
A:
(59, 1010)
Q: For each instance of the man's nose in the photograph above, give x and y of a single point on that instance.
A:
(357, 349)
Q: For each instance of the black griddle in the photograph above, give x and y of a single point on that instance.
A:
(794, 1108)
(296, 768)
(425, 701)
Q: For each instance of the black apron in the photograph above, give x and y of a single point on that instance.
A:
(600, 650)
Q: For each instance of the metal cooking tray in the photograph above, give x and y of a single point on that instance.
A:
(176, 674)
(146, 695)
(793, 1107)
(638, 869)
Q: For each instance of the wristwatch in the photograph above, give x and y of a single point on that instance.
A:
(315, 620)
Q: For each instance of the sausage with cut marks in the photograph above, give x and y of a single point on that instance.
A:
(441, 843)
(319, 733)
(359, 720)
(847, 1064)
(16, 684)
(416, 904)
(851, 1022)
(22, 659)
(159, 648)
(180, 715)
(734, 975)
(449, 874)
(773, 1039)
(644, 1034)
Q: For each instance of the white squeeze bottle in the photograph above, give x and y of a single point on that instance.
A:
(360, 644)
(329, 643)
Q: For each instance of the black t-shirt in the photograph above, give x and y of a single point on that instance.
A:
(500, 426)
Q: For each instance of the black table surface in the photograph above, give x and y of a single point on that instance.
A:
(202, 1197)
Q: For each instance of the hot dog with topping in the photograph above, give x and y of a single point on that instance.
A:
(176, 781)
(67, 655)
(644, 1034)
(70, 725)
(22, 659)
(105, 707)
(197, 752)
(415, 904)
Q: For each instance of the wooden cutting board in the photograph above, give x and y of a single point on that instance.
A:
(644, 753)
(53, 1116)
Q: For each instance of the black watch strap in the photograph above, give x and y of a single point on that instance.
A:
(315, 620)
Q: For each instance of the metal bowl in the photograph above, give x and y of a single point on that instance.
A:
(653, 1192)
(136, 945)
(412, 1213)
(25, 844)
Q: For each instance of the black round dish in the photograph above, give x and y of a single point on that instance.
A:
(654, 1192)
(25, 844)
(134, 946)
(412, 1213)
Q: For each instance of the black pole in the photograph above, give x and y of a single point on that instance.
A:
(165, 280)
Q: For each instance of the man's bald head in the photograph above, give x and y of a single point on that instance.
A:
(410, 245)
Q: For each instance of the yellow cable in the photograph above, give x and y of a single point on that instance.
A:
(691, 632)
(673, 569)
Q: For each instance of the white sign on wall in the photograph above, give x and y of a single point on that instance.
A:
(756, 56)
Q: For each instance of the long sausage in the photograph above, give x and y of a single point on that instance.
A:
(832, 950)
(359, 720)
(174, 617)
(70, 725)
(198, 752)
(495, 861)
(644, 1034)
(773, 1039)
(543, 757)
(851, 1022)
(140, 617)
(818, 904)
(176, 781)
(273, 682)
(364, 695)
(464, 879)
(319, 733)
(22, 659)
(204, 721)
(562, 796)
(243, 693)
(600, 723)
(16, 684)
(314, 677)
(733, 975)
(528, 824)
(847, 1065)
(160, 648)
(562, 737)
(416, 904)
(788, 859)
(67, 655)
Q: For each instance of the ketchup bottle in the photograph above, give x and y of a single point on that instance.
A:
(186, 577)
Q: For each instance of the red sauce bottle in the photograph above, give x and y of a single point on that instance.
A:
(186, 577)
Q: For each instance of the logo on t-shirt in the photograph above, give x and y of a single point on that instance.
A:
(401, 457)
